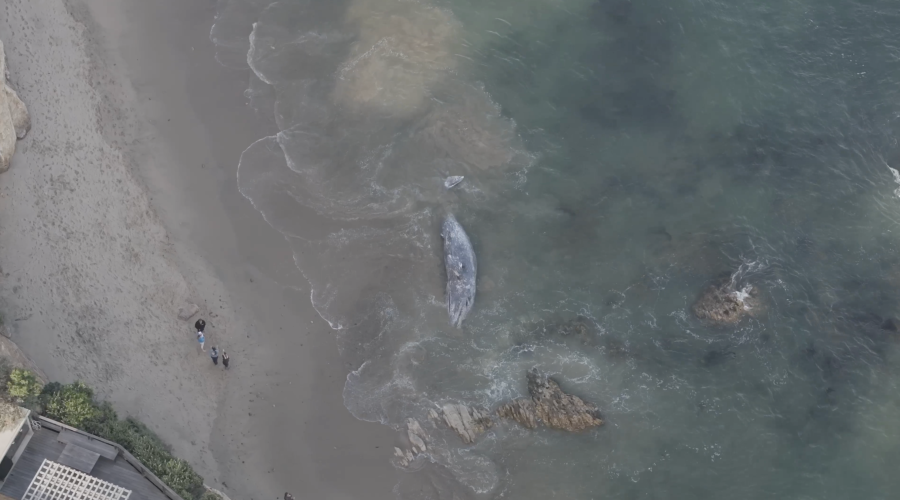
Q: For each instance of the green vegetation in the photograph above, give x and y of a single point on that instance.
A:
(74, 405)
(210, 495)
(148, 448)
(23, 384)
(9, 407)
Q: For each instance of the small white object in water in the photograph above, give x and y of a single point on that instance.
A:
(897, 180)
(453, 180)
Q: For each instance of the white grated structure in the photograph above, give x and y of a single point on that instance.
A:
(58, 482)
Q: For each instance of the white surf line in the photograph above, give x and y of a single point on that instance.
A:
(896, 180)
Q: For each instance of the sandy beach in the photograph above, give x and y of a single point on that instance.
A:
(121, 207)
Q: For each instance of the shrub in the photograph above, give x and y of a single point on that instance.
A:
(179, 475)
(51, 389)
(23, 384)
(210, 495)
(146, 446)
(72, 405)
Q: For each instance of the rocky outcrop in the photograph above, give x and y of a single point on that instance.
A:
(416, 446)
(466, 421)
(14, 120)
(724, 304)
(551, 407)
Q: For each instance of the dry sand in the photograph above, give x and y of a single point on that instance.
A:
(120, 207)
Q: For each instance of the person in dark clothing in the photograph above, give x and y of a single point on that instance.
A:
(288, 496)
(225, 359)
(200, 325)
(214, 354)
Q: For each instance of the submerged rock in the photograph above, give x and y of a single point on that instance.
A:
(14, 119)
(576, 326)
(722, 304)
(550, 406)
(466, 421)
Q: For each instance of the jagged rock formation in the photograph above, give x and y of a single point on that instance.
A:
(466, 421)
(722, 304)
(550, 406)
(417, 437)
(14, 120)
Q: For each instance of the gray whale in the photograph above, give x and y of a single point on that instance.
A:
(459, 259)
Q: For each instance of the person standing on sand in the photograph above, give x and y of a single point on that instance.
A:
(202, 340)
(225, 359)
(200, 325)
(214, 354)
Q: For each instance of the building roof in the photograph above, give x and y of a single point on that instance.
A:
(58, 482)
(44, 445)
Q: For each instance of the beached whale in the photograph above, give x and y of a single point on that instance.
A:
(459, 259)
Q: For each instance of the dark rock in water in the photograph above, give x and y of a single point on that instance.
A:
(550, 406)
(617, 10)
(717, 357)
(578, 326)
(891, 325)
(574, 331)
(616, 348)
(661, 231)
(722, 304)
(614, 300)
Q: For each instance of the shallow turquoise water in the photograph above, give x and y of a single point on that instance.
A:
(619, 157)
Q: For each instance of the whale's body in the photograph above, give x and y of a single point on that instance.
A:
(459, 260)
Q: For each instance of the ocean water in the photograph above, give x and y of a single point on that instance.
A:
(619, 156)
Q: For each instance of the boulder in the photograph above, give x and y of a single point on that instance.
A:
(722, 303)
(551, 407)
(466, 421)
(14, 120)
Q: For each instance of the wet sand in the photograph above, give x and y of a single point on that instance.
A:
(120, 206)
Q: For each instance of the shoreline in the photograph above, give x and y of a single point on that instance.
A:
(167, 125)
